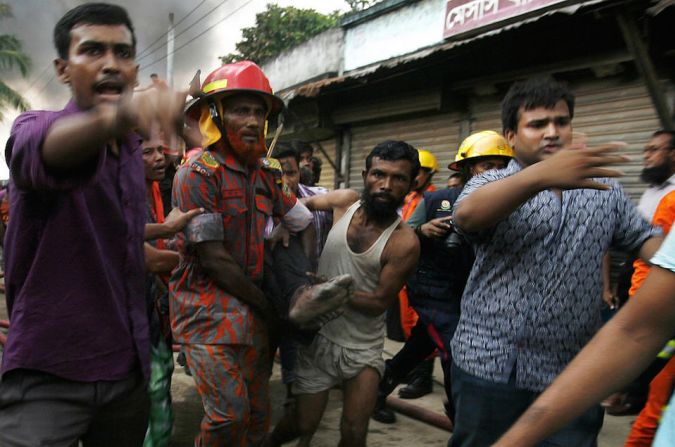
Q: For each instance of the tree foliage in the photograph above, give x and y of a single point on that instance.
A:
(277, 29)
(11, 57)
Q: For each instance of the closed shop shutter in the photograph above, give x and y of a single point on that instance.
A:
(486, 114)
(327, 179)
(437, 133)
(612, 110)
(606, 110)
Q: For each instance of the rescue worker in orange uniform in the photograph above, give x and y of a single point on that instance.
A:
(218, 310)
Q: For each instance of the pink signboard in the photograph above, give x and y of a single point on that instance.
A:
(462, 16)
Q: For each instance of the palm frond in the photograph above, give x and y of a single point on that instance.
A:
(9, 42)
(10, 59)
(5, 10)
(10, 98)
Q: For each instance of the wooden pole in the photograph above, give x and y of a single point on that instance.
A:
(638, 49)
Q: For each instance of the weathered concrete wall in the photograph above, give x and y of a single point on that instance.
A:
(312, 59)
(394, 34)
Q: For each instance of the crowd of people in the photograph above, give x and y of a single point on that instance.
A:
(119, 245)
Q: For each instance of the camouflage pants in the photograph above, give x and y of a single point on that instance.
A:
(159, 388)
(233, 381)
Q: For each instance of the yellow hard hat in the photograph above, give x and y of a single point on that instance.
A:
(486, 143)
(427, 160)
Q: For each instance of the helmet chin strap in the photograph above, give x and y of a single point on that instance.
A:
(216, 118)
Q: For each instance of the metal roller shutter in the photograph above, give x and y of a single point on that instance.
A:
(327, 179)
(612, 110)
(485, 112)
(437, 133)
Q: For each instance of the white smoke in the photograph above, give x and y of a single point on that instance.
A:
(34, 21)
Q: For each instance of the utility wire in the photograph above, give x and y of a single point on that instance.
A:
(45, 86)
(42, 73)
(184, 31)
(140, 53)
(199, 35)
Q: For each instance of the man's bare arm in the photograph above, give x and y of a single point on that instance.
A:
(619, 352)
(649, 248)
(159, 261)
(399, 258)
(570, 168)
(175, 222)
(337, 201)
(221, 267)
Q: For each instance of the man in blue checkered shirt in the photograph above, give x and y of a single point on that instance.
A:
(540, 228)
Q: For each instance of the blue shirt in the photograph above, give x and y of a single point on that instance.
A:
(534, 295)
(74, 270)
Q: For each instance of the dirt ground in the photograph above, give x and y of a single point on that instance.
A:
(406, 432)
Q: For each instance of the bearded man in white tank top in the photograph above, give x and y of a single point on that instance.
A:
(369, 242)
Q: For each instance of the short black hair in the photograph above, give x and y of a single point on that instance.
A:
(154, 75)
(455, 174)
(530, 94)
(284, 149)
(302, 146)
(89, 14)
(392, 150)
(670, 133)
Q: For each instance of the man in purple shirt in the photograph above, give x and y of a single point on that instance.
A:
(77, 355)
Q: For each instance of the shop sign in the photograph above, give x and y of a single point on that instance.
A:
(464, 16)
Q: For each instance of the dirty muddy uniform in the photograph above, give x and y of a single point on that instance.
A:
(225, 345)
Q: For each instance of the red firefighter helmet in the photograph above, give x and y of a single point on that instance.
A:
(240, 77)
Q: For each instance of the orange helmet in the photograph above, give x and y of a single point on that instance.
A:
(240, 77)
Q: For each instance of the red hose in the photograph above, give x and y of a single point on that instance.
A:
(421, 414)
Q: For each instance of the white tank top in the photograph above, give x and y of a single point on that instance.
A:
(354, 329)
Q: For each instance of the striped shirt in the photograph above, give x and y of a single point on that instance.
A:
(323, 220)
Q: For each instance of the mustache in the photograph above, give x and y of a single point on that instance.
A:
(383, 195)
(109, 79)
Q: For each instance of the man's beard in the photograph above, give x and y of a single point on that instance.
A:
(656, 175)
(379, 211)
(247, 153)
(306, 176)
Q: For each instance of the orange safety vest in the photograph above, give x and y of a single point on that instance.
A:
(663, 217)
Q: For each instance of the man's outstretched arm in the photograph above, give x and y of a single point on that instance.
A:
(618, 353)
(570, 168)
(337, 201)
(76, 139)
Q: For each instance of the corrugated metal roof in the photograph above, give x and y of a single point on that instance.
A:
(313, 89)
